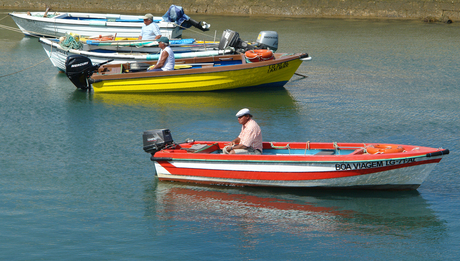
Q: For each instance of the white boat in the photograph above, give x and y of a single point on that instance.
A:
(149, 46)
(142, 51)
(59, 54)
(89, 24)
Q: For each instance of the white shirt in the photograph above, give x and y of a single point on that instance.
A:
(149, 32)
(170, 61)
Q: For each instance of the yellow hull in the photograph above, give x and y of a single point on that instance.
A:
(268, 75)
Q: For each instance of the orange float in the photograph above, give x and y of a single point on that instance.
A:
(259, 55)
(103, 38)
(373, 149)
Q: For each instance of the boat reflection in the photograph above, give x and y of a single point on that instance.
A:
(269, 98)
(293, 211)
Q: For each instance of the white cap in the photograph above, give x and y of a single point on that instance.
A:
(148, 16)
(243, 112)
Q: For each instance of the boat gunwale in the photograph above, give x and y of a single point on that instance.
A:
(415, 152)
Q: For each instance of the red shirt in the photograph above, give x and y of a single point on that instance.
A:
(250, 135)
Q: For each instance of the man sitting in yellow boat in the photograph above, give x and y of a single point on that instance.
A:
(166, 61)
(250, 139)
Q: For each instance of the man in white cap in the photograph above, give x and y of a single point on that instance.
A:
(150, 30)
(250, 139)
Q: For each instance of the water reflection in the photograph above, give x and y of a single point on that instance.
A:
(293, 211)
(205, 100)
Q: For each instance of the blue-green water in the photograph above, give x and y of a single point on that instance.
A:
(75, 183)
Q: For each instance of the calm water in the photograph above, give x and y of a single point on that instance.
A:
(75, 183)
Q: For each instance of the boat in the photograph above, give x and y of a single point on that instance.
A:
(123, 50)
(57, 24)
(293, 164)
(126, 51)
(252, 68)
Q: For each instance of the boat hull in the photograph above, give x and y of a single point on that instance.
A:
(33, 25)
(400, 171)
(404, 177)
(275, 74)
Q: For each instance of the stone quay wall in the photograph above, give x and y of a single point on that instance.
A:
(437, 10)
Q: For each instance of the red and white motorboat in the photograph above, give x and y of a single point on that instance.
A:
(293, 164)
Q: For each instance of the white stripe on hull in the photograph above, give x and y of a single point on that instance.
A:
(262, 167)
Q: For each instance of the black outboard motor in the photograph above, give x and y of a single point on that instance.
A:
(79, 68)
(156, 140)
(231, 39)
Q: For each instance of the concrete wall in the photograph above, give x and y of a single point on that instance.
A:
(403, 9)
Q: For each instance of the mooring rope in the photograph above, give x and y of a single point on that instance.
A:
(19, 31)
(10, 28)
(25, 68)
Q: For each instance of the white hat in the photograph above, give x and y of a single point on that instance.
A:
(148, 16)
(243, 112)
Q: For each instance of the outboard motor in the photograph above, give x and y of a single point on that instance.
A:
(231, 39)
(79, 68)
(176, 14)
(268, 40)
(156, 140)
(265, 40)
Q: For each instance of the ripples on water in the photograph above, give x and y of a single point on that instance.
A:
(76, 184)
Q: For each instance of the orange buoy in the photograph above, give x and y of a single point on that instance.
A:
(259, 55)
(373, 149)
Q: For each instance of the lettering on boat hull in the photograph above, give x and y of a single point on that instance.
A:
(375, 164)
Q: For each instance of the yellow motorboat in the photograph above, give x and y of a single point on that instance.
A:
(194, 74)
(249, 66)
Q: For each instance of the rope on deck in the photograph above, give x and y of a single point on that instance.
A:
(281, 147)
(307, 147)
(336, 147)
(71, 42)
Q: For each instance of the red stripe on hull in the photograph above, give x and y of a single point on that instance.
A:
(283, 176)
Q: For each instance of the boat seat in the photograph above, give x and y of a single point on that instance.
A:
(182, 66)
(203, 148)
(115, 70)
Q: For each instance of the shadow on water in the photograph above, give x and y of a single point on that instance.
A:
(268, 210)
